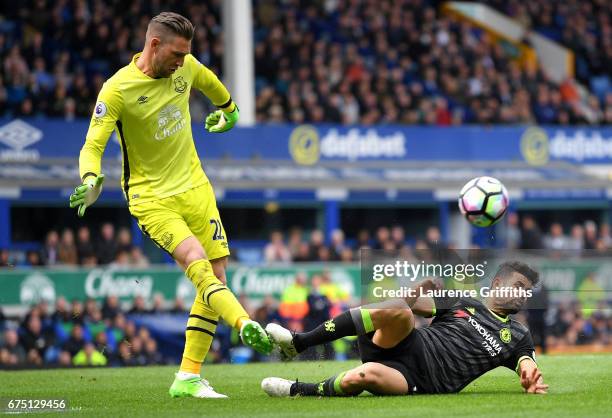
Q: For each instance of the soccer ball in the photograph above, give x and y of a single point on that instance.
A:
(483, 201)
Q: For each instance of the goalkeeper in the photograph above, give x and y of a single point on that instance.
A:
(147, 104)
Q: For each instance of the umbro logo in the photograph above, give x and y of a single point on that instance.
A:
(143, 99)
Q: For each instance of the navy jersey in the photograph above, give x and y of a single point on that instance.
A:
(466, 340)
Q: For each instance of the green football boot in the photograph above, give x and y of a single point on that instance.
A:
(254, 336)
(196, 388)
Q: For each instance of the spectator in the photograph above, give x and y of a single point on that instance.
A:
(347, 255)
(158, 304)
(11, 352)
(556, 240)
(318, 312)
(294, 306)
(62, 312)
(106, 249)
(531, 237)
(76, 342)
(152, 356)
(122, 260)
(590, 235)
(268, 312)
(94, 324)
(90, 308)
(276, 250)
(382, 237)
(33, 259)
(138, 306)
(138, 259)
(111, 308)
(295, 241)
(33, 337)
(5, 260)
(101, 343)
(64, 359)
(604, 235)
(85, 248)
(139, 357)
(576, 240)
(179, 306)
(50, 251)
(303, 253)
(67, 251)
(337, 244)
(77, 315)
(89, 356)
(124, 240)
(115, 332)
(433, 238)
(363, 239)
(398, 237)
(317, 241)
(124, 357)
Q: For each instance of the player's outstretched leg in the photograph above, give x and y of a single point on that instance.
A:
(372, 377)
(222, 301)
(393, 325)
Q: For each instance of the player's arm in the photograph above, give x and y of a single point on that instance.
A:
(208, 83)
(522, 361)
(422, 305)
(531, 376)
(106, 113)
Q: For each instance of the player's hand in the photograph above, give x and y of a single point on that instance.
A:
(86, 194)
(220, 121)
(532, 382)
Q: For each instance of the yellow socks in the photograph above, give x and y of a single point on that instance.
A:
(201, 327)
(214, 294)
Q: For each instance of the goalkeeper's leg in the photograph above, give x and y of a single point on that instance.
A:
(211, 289)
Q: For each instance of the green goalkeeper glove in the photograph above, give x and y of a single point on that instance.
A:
(87, 193)
(220, 121)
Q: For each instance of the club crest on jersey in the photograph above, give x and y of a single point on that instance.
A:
(330, 326)
(180, 85)
(505, 335)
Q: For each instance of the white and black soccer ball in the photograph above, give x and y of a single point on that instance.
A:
(483, 201)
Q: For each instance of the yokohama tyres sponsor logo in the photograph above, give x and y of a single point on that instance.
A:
(490, 343)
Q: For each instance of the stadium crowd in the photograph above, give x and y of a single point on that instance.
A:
(87, 334)
(375, 62)
(69, 249)
(583, 26)
(327, 61)
(81, 334)
(116, 248)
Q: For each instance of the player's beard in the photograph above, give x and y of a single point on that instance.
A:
(159, 70)
(513, 306)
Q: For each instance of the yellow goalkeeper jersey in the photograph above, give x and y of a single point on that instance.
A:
(152, 121)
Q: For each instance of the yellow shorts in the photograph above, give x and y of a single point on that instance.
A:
(171, 220)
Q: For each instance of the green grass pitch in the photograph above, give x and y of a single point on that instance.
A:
(580, 386)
